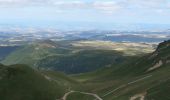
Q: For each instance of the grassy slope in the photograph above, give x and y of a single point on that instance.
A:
(63, 80)
(160, 91)
(77, 96)
(19, 82)
(83, 61)
(60, 59)
(132, 77)
(137, 87)
(31, 54)
(6, 50)
(66, 57)
(129, 75)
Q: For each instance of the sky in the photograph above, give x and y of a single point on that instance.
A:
(83, 13)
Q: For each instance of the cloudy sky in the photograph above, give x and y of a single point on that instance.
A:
(84, 12)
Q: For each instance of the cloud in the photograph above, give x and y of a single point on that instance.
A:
(127, 5)
(59, 3)
(71, 4)
(153, 4)
(8, 3)
(107, 7)
(104, 6)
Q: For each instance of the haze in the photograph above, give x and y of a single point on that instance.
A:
(85, 14)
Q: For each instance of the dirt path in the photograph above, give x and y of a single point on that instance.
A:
(86, 93)
(122, 86)
(138, 96)
(92, 94)
(66, 95)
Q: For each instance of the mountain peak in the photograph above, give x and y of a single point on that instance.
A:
(47, 44)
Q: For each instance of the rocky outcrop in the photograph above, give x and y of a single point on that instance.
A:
(157, 65)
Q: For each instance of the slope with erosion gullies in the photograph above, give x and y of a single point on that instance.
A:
(20, 82)
(151, 62)
(30, 54)
(141, 65)
(148, 63)
(144, 78)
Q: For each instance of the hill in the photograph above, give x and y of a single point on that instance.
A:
(159, 92)
(20, 82)
(75, 56)
(137, 78)
(32, 53)
(83, 61)
(143, 78)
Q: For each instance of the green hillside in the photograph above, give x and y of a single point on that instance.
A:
(32, 53)
(19, 82)
(146, 77)
(160, 91)
(60, 56)
(83, 61)
(130, 78)
(76, 96)
(6, 50)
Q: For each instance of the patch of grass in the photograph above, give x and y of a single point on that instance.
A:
(78, 96)
(19, 82)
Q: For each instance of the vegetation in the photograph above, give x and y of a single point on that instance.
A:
(68, 58)
(126, 79)
(83, 61)
(132, 79)
(160, 91)
(32, 53)
(6, 50)
(77, 96)
(20, 82)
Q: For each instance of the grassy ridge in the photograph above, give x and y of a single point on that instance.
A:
(19, 82)
(31, 54)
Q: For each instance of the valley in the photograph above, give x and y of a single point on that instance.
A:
(76, 56)
(84, 50)
(84, 69)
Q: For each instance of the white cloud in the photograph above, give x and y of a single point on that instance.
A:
(104, 6)
(71, 4)
(59, 3)
(153, 4)
(107, 7)
(8, 3)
